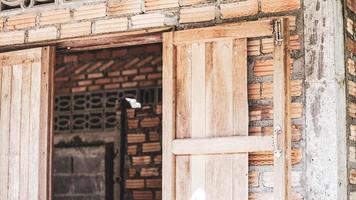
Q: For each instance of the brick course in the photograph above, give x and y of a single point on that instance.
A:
(85, 19)
(350, 59)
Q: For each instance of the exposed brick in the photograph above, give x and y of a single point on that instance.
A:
(75, 29)
(253, 178)
(132, 123)
(351, 5)
(253, 47)
(136, 138)
(129, 84)
(124, 7)
(152, 20)
(153, 183)
(59, 16)
(154, 136)
(134, 183)
(150, 122)
(119, 53)
(157, 160)
(112, 86)
(130, 72)
(102, 81)
(12, 37)
(155, 76)
(111, 25)
(254, 91)
(239, 9)
(21, 21)
(104, 54)
(149, 172)
(193, 2)
(141, 160)
(151, 147)
(2, 21)
(200, 14)
(79, 89)
(95, 75)
(132, 150)
(85, 82)
(42, 34)
(70, 58)
(89, 12)
(352, 176)
(263, 67)
(142, 195)
(272, 6)
(147, 83)
(132, 172)
(87, 56)
(160, 4)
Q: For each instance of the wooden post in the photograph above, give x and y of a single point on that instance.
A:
(281, 110)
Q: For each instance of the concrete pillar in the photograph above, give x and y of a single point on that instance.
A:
(325, 133)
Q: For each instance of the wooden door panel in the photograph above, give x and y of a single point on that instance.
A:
(25, 115)
(205, 113)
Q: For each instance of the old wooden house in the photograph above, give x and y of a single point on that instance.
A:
(177, 100)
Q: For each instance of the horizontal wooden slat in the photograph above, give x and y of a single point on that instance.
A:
(222, 145)
(232, 30)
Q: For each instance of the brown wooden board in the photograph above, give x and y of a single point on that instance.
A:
(205, 113)
(25, 118)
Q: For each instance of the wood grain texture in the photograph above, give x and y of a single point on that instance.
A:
(15, 133)
(282, 115)
(168, 129)
(25, 123)
(207, 144)
(240, 117)
(5, 129)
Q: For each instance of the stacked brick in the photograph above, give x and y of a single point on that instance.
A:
(84, 18)
(109, 69)
(260, 93)
(144, 160)
(350, 59)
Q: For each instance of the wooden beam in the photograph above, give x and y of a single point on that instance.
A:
(232, 30)
(97, 41)
(168, 129)
(222, 145)
(281, 114)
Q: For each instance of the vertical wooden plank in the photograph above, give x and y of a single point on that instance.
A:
(34, 131)
(198, 96)
(183, 115)
(5, 129)
(15, 133)
(281, 115)
(222, 88)
(241, 120)
(169, 92)
(25, 129)
(183, 178)
(218, 177)
(220, 94)
(46, 109)
(184, 91)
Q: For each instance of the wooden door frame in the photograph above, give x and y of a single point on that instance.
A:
(132, 38)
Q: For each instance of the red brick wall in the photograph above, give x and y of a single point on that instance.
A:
(115, 70)
(109, 69)
(144, 169)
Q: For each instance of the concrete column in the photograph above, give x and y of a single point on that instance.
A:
(325, 133)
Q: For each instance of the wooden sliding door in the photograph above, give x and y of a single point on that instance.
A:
(206, 112)
(25, 123)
